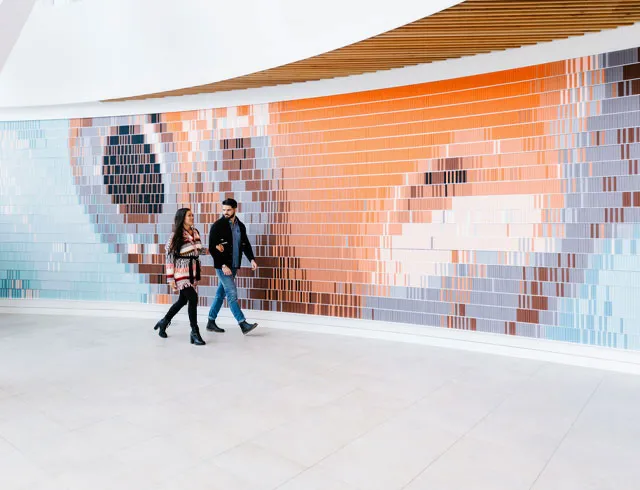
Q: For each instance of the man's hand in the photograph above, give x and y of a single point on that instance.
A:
(254, 266)
(220, 248)
(226, 271)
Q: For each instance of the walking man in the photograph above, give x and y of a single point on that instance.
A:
(227, 242)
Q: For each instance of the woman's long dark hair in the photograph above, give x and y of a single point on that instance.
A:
(178, 231)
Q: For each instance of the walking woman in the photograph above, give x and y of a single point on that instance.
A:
(183, 272)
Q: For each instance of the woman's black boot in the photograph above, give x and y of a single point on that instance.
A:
(162, 327)
(195, 336)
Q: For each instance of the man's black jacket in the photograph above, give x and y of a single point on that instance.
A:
(221, 234)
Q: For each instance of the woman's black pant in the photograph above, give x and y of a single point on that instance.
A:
(187, 295)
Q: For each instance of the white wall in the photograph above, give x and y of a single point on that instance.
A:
(88, 50)
(602, 42)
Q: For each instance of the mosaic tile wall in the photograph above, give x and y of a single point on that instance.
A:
(507, 202)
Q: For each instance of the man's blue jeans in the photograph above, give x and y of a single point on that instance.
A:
(226, 287)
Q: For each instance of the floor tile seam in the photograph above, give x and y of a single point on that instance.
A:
(567, 432)
(367, 431)
(506, 397)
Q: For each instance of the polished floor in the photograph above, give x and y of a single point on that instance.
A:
(100, 403)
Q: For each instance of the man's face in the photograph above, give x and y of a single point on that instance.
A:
(228, 212)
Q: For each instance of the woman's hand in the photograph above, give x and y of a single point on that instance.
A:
(174, 288)
(220, 248)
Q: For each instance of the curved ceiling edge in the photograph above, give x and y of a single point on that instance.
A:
(90, 50)
(606, 41)
(466, 29)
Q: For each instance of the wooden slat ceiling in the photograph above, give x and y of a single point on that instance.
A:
(469, 28)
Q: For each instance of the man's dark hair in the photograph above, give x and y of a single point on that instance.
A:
(230, 202)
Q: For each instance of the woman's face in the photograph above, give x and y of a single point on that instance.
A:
(188, 219)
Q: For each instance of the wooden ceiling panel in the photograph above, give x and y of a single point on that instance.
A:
(469, 28)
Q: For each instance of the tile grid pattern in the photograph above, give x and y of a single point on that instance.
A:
(504, 202)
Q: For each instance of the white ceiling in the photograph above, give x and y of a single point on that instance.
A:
(91, 50)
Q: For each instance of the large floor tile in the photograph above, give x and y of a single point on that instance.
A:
(103, 404)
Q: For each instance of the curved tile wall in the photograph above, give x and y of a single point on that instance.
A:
(507, 202)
